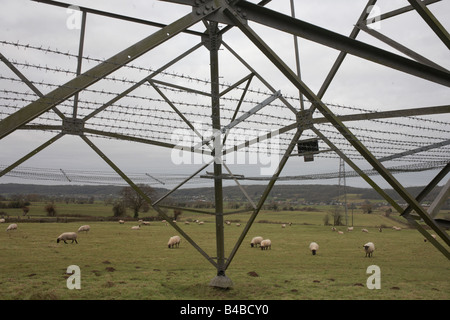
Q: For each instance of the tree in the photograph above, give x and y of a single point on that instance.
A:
(119, 209)
(367, 207)
(176, 214)
(50, 209)
(133, 200)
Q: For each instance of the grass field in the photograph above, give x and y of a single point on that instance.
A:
(119, 263)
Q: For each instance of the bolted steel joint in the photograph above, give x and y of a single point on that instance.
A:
(204, 7)
(73, 126)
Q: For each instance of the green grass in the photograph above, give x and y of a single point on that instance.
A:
(119, 263)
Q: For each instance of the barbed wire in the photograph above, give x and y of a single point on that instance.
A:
(150, 117)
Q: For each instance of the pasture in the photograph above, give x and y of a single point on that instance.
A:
(119, 263)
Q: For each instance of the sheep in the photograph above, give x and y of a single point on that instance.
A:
(266, 244)
(369, 247)
(340, 232)
(333, 229)
(396, 228)
(365, 230)
(200, 223)
(255, 241)
(238, 224)
(67, 236)
(2, 220)
(12, 226)
(121, 221)
(174, 242)
(146, 223)
(350, 229)
(433, 235)
(283, 225)
(84, 228)
(313, 246)
(136, 227)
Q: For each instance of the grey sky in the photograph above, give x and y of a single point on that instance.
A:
(359, 84)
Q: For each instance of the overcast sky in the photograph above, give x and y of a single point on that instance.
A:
(358, 84)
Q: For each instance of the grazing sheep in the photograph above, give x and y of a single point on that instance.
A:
(266, 244)
(350, 229)
(121, 221)
(228, 222)
(84, 228)
(200, 223)
(2, 220)
(369, 247)
(186, 222)
(283, 225)
(396, 228)
(333, 229)
(255, 241)
(425, 239)
(12, 226)
(365, 230)
(238, 224)
(313, 246)
(340, 232)
(67, 236)
(174, 242)
(135, 227)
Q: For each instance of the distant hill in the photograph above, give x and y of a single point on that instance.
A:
(313, 193)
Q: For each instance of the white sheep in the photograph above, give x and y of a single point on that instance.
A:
(67, 236)
(174, 242)
(238, 224)
(340, 232)
(266, 244)
(255, 241)
(313, 246)
(136, 227)
(283, 225)
(2, 220)
(350, 229)
(369, 247)
(333, 229)
(84, 228)
(365, 230)
(12, 226)
(396, 228)
(121, 221)
(433, 235)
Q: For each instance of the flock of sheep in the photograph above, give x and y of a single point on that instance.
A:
(369, 247)
(174, 241)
